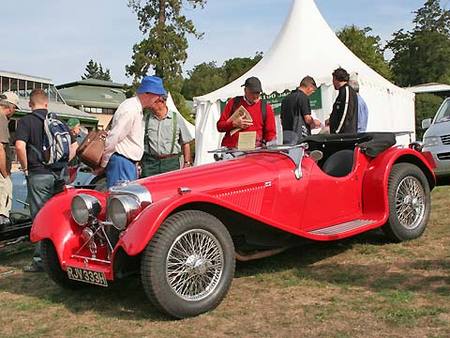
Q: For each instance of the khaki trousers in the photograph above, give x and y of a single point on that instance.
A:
(5, 195)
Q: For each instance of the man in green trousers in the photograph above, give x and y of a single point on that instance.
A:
(166, 139)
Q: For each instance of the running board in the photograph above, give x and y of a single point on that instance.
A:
(343, 227)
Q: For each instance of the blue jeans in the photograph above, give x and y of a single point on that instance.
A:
(120, 168)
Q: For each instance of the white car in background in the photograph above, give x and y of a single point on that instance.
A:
(437, 139)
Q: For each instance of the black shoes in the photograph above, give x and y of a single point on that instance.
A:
(33, 267)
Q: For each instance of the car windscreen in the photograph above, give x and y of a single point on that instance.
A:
(443, 115)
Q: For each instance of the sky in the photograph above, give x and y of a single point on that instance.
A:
(56, 38)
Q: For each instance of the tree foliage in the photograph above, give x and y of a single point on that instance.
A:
(421, 55)
(164, 47)
(166, 29)
(207, 77)
(94, 70)
(366, 47)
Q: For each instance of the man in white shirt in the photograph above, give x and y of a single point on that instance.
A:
(124, 144)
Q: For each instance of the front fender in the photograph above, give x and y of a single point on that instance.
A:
(54, 222)
(376, 179)
(139, 233)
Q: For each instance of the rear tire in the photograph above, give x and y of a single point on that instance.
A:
(188, 266)
(409, 203)
(51, 265)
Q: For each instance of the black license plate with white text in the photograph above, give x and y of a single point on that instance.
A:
(87, 276)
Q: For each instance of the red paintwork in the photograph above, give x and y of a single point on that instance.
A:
(261, 186)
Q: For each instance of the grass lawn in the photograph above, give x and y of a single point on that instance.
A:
(361, 287)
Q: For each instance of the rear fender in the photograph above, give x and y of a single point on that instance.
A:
(375, 182)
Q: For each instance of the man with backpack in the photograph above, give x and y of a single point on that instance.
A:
(296, 117)
(262, 117)
(44, 147)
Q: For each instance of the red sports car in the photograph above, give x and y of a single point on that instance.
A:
(184, 230)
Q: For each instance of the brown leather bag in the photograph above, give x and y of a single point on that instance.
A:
(91, 149)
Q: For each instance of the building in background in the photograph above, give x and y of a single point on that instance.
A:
(23, 85)
(97, 97)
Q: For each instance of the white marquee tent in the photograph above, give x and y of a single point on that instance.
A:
(306, 45)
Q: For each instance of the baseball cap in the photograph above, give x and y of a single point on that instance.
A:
(10, 97)
(152, 84)
(253, 84)
(73, 122)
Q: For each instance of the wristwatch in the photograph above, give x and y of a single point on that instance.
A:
(187, 162)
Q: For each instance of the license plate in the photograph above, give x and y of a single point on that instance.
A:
(87, 276)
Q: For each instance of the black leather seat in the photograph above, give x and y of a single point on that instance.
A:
(339, 164)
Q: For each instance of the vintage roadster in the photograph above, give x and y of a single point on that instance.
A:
(184, 230)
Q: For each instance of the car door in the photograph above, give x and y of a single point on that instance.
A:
(332, 200)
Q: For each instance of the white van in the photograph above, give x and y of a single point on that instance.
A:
(437, 138)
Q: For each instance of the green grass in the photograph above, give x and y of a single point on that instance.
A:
(360, 287)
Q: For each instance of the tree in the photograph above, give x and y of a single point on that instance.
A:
(235, 67)
(366, 47)
(207, 77)
(164, 48)
(202, 79)
(421, 55)
(426, 107)
(94, 70)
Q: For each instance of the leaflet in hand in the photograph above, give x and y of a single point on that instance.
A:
(244, 114)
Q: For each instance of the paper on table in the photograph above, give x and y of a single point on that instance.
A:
(247, 140)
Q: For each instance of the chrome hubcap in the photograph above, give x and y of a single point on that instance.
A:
(194, 265)
(410, 202)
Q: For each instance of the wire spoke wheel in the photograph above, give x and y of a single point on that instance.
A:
(410, 202)
(194, 264)
(188, 266)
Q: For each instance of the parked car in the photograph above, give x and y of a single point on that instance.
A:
(436, 139)
(184, 230)
(19, 225)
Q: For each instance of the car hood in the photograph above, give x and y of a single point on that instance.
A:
(220, 176)
(438, 129)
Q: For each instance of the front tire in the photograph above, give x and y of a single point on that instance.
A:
(51, 265)
(409, 203)
(188, 266)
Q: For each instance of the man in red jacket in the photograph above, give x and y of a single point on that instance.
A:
(262, 117)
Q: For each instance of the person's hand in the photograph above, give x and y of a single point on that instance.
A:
(317, 124)
(242, 123)
(187, 164)
(98, 171)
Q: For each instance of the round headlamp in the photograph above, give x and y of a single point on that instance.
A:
(84, 208)
(122, 210)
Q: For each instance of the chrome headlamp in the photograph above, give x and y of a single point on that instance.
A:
(84, 208)
(122, 209)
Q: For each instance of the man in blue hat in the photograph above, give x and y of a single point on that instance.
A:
(124, 144)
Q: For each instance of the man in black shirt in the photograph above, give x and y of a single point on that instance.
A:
(344, 117)
(40, 178)
(296, 116)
